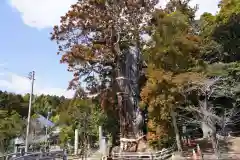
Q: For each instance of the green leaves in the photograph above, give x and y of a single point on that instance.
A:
(173, 48)
(173, 58)
(84, 115)
(229, 73)
(11, 126)
(10, 120)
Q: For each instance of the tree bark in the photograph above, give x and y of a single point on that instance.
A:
(134, 62)
(178, 138)
(128, 74)
(215, 144)
(205, 129)
(210, 131)
(2, 150)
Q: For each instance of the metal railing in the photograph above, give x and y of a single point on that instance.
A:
(36, 156)
(9, 156)
(160, 155)
(12, 155)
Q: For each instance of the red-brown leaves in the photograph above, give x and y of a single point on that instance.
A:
(86, 37)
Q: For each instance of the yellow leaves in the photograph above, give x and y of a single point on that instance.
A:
(193, 38)
(159, 76)
(171, 57)
(151, 124)
(157, 130)
(157, 92)
(227, 9)
(187, 78)
(71, 14)
(164, 91)
(97, 1)
(151, 136)
(151, 109)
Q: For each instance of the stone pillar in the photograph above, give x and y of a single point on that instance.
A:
(100, 135)
(103, 149)
(76, 142)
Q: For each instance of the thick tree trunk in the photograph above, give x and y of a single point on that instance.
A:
(134, 62)
(178, 138)
(210, 132)
(2, 150)
(125, 110)
(205, 129)
(128, 74)
(214, 141)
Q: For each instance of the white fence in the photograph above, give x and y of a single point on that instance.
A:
(160, 155)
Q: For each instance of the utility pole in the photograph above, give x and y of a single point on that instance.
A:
(31, 77)
(46, 132)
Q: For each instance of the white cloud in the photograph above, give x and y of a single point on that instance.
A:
(210, 6)
(22, 85)
(46, 13)
(41, 13)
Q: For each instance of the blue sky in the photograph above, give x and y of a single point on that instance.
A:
(25, 44)
(25, 48)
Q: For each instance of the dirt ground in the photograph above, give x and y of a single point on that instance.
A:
(234, 143)
(229, 149)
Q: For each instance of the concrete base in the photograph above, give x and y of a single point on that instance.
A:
(177, 156)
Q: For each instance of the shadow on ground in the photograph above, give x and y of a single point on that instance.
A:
(225, 146)
(229, 148)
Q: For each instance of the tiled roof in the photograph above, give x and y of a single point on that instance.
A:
(44, 121)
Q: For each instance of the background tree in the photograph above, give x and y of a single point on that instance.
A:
(11, 122)
(84, 116)
(219, 35)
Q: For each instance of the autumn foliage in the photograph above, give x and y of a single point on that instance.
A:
(177, 54)
(173, 62)
(87, 35)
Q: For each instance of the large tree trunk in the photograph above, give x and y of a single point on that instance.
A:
(205, 129)
(2, 150)
(214, 141)
(128, 74)
(123, 94)
(178, 138)
(210, 131)
(134, 62)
